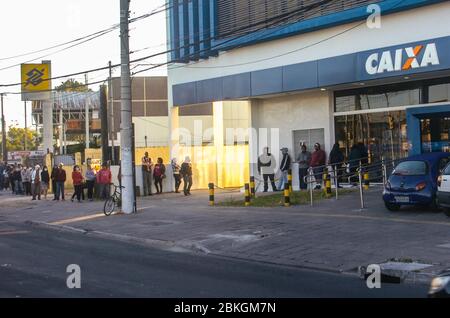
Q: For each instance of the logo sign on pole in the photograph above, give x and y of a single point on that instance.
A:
(36, 83)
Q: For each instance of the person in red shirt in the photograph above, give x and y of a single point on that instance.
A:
(318, 160)
(104, 180)
(77, 179)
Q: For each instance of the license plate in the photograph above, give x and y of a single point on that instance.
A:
(402, 199)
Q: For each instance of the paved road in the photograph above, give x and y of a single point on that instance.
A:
(33, 263)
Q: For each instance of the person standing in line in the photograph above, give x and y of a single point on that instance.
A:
(17, 176)
(90, 182)
(25, 174)
(354, 160)
(159, 173)
(147, 166)
(45, 180)
(336, 159)
(104, 178)
(2, 177)
(318, 160)
(304, 162)
(53, 178)
(6, 182)
(176, 174)
(186, 174)
(77, 179)
(11, 178)
(266, 168)
(60, 181)
(285, 165)
(36, 179)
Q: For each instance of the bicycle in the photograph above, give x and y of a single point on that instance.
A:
(113, 201)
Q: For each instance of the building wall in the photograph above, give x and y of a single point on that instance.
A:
(427, 22)
(309, 110)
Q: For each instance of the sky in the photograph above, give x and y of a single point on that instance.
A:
(27, 25)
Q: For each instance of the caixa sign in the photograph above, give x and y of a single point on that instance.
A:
(403, 59)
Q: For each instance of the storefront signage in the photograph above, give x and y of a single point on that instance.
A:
(403, 59)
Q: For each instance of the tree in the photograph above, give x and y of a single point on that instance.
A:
(72, 85)
(15, 139)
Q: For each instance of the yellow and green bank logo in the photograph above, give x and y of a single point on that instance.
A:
(35, 77)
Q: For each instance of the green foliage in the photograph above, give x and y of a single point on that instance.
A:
(72, 85)
(15, 139)
(277, 199)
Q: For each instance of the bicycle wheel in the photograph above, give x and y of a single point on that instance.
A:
(110, 204)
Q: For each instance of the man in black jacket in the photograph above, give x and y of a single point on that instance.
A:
(285, 165)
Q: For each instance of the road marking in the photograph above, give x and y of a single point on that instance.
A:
(13, 232)
(91, 217)
(78, 219)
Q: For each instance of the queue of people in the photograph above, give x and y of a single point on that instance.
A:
(313, 162)
(24, 180)
(156, 173)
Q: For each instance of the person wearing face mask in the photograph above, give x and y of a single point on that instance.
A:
(266, 168)
(318, 160)
(36, 178)
(17, 177)
(45, 181)
(77, 179)
(186, 174)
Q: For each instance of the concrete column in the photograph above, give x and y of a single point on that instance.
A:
(174, 139)
(47, 114)
(219, 139)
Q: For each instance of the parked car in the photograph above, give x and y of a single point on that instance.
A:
(443, 191)
(414, 181)
(440, 285)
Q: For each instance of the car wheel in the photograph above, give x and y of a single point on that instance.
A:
(434, 206)
(392, 206)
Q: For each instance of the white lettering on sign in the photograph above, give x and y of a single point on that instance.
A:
(402, 59)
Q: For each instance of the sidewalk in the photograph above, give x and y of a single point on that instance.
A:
(332, 235)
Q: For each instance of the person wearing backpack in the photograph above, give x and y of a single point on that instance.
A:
(159, 173)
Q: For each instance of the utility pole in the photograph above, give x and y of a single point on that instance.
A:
(111, 111)
(26, 128)
(86, 122)
(104, 120)
(128, 203)
(4, 151)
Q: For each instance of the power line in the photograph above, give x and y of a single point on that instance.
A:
(260, 60)
(218, 46)
(77, 41)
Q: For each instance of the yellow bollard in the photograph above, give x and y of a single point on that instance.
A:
(290, 180)
(366, 181)
(287, 197)
(252, 187)
(247, 194)
(328, 185)
(211, 194)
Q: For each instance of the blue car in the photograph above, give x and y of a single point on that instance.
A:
(414, 181)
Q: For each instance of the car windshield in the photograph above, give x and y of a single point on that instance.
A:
(446, 170)
(411, 168)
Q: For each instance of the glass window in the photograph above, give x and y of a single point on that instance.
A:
(383, 134)
(439, 93)
(446, 170)
(375, 100)
(411, 168)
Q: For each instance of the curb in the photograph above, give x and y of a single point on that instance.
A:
(118, 237)
(176, 246)
(185, 246)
